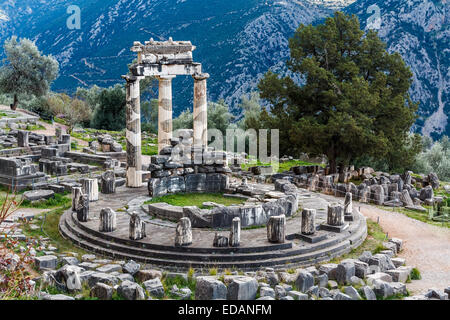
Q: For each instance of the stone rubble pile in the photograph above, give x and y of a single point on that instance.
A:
(370, 277)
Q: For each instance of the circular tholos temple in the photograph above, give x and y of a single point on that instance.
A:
(254, 250)
(276, 224)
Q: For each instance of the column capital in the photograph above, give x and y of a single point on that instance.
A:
(200, 76)
(166, 77)
(129, 78)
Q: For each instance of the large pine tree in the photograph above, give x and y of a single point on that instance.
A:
(354, 99)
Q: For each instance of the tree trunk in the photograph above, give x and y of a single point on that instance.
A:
(13, 106)
(333, 165)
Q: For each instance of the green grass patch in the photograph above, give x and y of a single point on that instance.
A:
(50, 226)
(283, 166)
(196, 199)
(180, 282)
(373, 243)
(415, 274)
(58, 200)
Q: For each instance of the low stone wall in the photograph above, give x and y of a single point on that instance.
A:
(87, 158)
(254, 213)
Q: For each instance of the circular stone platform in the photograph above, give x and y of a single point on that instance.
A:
(254, 252)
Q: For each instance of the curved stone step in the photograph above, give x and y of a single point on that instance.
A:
(244, 261)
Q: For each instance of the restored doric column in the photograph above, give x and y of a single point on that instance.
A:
(200, 110)
(164, 111)
(308, 226)
(134, 157)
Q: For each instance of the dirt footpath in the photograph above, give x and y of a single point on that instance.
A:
(425, 246)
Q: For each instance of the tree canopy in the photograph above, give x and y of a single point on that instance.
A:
(26, 70)
(353, 100)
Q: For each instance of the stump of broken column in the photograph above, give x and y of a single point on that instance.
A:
(108, 222)
(220, 241)
(348, 207)
(22, 138)
(235, 233)
(90, 187)
(108, 182)
(335, 219)
(76, 194)
(276, 229)
(308, 221)
(82, 208)
(137, 227)
(308, 228)
(183, 235)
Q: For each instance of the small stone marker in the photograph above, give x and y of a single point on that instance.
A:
(137, 227)
(235, 233)
(348, 207)
(220, 241)
(107, 220)
(82, 208)
(108, 182)
(308, 221)
(276, 229)
(22, 138)
(183, 235)
(90, 187)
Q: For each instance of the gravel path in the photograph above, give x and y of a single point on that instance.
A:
(426, 247)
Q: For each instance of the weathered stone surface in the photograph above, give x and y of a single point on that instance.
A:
(377, 194)
(321, 280)
(196, 182)
(235, 232)
(329, 269)
(137, 227)
(102, 291)
(267, 292)
(96, 277)
(371, 278)
(433, 180)
(348, 204)
(400, 274)
(382, 261)
(426, 193)
(194, 214)
(183, 235)
(242, 288)
(22, 138)
(70, 276)
(304, 281)
(108, 220)
(383, 289)
(108, 182)
(46, 262)
(352, 292)
(398, 243)
(368, 293)
(335, 215)
(131, 290)
(57, 297)
(398, 262)
(308, 226)
(209, 288)
(220, 241)
(297, 295)
(405, 198)
(436, 294)
(345, 270)
(108, 268)
(36, 195)
(90, 187)
(82, 207)
(154, 287)
(144, 275)
(70, 261)
(276, 229)
(342, 296)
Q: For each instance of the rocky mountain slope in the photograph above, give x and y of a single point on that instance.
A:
(237, 41)
(420, 31)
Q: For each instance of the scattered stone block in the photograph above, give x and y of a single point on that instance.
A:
(102, 291)
(108, 268)
(242, 288)
(345, 270)
(46, 262)
(209, 288)
(368, 293)
(131, 291)
(304, 281)
(131, 267)
(144, 275)
(352, 292)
